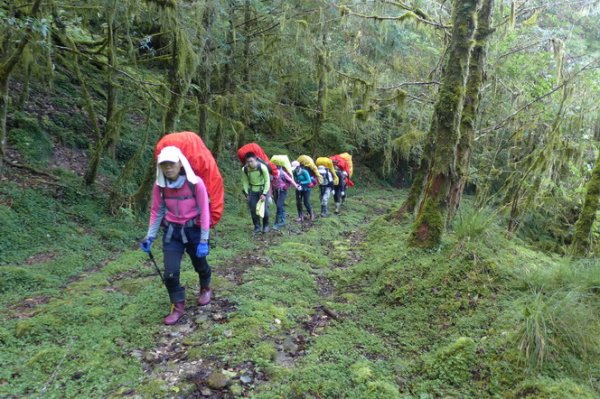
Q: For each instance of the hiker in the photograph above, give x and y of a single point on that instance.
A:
(302, 178)
(326, 189)
(339, 191)
(281, 184)
(256, 183)
(180, 204)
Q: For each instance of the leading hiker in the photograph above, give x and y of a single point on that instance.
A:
(256, 183)
(180, 204)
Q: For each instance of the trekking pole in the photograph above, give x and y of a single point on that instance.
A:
(156, 266)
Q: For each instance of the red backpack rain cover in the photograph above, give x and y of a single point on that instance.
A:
(343, 165)
(258, 151)
(204, 165)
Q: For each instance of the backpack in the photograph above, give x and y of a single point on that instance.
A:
(260, 154)
(308, 164)
(328, 163)
(342, 163)
(203, 164)
(260, 161)
(279, 183)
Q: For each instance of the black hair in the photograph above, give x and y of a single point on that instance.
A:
(249, 155)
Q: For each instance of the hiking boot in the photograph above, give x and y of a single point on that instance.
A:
(300, 218)
(177, 312)
(204, 296)
(337, 208)
(313, 217)
(266, 229)
(256, 229)
(324, 213)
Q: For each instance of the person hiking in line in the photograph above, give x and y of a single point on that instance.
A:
(326, 189)
(339, 191)
(180, 204)
(302, 178)
(256, 183)
(281, 184)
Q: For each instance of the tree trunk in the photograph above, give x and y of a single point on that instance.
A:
(219, 137)
(471, 107)
(321, 73)
(112, 126)
(179, 83)
(6, 68)
(582, 238)
(3, 113)
(444, 131)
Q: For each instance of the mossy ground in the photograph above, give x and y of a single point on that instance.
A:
(410, 323)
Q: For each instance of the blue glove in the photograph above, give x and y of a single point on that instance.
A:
(202, 249)
(146, 244)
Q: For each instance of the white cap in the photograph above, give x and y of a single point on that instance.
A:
(295, 165)
(174, 154)
(321, 168)
(169, 154)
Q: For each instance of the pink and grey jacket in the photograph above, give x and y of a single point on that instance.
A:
(180, 206)
(283, 181)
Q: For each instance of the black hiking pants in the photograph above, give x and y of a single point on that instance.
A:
(173, 250)
(303, 197)
(253, 199)
(279, 196)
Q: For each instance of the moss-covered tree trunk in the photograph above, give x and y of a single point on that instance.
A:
(205, 74)
(471, 106)
(8, 61)
(113, 122)
(183, 67)
(583, 228)
(321, 89)
(416, 188)
(431, 218)
(226, 79)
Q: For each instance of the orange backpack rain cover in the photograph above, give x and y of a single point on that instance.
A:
(342, 163)
(258, 151)
(204, 165)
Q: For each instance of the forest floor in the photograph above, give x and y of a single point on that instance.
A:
(341, 307)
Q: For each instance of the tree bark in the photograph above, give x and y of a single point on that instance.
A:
(582, 239)
(471, 106)
(179, 83)
(112, 127)
(321, 88)
(431, 219)
(219, 137)
(7, 66)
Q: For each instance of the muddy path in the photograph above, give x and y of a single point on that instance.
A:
(216, 377)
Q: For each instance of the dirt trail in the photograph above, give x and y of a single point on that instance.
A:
(214, 378)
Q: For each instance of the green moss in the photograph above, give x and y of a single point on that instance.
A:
(454, 363)
(548, 388)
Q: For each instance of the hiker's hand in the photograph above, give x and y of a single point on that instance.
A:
(263, 197)
(202, 249)
(146, 244)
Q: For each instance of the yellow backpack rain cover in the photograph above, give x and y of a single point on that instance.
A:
(348, 159)
(308, 162)
(328, 163)
(283, 161)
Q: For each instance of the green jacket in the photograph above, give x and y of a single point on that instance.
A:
(256, 180)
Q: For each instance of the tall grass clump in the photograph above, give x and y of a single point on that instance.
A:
(472, 224)
(558, 329)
